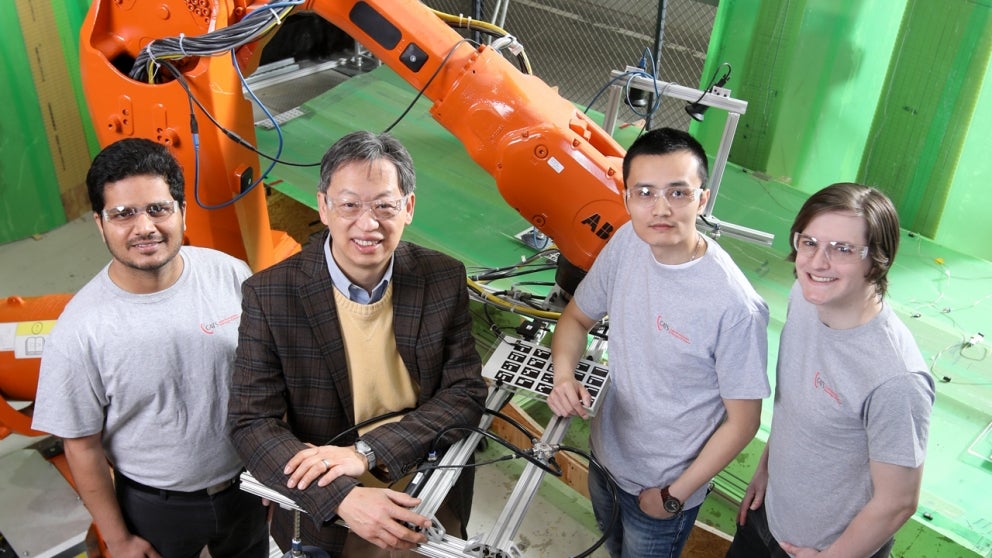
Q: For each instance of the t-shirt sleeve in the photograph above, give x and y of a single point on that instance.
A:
(70, 400)
(592, 294)
(897, 419)
(742, 357)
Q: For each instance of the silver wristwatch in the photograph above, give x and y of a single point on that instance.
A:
(363, 448)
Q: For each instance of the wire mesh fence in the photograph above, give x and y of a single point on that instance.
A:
(575, 44)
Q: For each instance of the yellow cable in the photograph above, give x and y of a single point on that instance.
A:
(511, 307)
(470, 24)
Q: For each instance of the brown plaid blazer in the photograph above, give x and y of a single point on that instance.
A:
(291, 386)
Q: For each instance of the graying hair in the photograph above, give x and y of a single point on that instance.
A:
(368, 146)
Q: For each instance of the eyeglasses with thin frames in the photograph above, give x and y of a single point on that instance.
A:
(646, 196)
(382, 209)
(157, 212)
(837, 252)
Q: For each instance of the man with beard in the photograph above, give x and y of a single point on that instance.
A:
(137, 371)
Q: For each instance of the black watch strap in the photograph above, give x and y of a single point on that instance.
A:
(669, 502)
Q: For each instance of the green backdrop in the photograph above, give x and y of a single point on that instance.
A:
(887, 93)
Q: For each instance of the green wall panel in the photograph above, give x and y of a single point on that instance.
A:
(965, 221)
(810, 72)
(29, 191)
(883, 92)
(926, 107)
(842, 54)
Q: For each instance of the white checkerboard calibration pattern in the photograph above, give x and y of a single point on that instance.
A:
(522, 365)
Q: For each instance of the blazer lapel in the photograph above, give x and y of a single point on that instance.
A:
(317, 299)
(408, 302)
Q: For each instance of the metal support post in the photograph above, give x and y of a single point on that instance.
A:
(612, 109)
(439, 483)
(716, 98)
(498, 542)
(720, 160)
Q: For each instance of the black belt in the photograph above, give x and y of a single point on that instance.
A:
(196, 494)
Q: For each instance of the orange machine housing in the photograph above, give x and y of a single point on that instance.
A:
(551, 163)
(26, 318)
(556, 167)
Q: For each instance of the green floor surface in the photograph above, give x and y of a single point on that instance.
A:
(942, 295)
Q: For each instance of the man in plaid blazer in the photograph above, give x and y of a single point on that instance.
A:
(357, 327)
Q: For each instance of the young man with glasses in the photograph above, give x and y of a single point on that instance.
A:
(137, 372)
(357, 326)
(688, 352)
(842, 468)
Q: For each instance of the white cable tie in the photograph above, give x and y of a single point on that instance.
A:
(154, 62)
(148, 51)
(501, 43)
(276, 15)
(515, 47)
(182, 49)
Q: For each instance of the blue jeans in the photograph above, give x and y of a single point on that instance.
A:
(635, 533)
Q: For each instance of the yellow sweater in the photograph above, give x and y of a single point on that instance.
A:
(380, 382)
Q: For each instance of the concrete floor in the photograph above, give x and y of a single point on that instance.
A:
(559, 522)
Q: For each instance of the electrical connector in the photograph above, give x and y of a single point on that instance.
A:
(643, 64)
(528, 329)
(719, 91)
(975, 339)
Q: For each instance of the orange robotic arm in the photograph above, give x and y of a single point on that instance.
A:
(552, 164)
(557, 168)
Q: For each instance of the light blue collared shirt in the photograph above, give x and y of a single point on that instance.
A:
(354, 292)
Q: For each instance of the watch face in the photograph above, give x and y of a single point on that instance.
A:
(366, 450)
(672, 505)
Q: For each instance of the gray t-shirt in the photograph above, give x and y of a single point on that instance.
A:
(151, 371)
(842, 398)
(682, 339)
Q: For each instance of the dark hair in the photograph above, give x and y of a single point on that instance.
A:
(133, 157)
(368, 146)
(663, 141)
(880, 216)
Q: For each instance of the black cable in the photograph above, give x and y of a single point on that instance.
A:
(490, 274)
(426, 85)
(500, 459)
(723, 80)
(715, 227)
(614, 494)
(194, 131)
(509, 420)
(231, 134)
(535, 283)
(495, 328)
(367, 422)
(515, 271)
(546, 467)
(522, 61)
